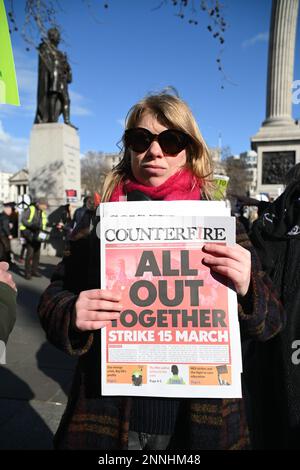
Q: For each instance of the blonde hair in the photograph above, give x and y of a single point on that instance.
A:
(171, 112)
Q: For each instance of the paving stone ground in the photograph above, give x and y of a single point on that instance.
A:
(35, 381)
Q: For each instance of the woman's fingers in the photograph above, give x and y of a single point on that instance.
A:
(232, 274)
(101, 316)
(93, 325)
(91, 320)
(235, 252)
(233, 262)
(96, 308)
(214, 261)
(101, 294)
(108, 305)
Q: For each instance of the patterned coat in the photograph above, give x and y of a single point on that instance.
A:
(92, 421)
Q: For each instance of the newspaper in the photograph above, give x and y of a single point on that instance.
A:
(179, 325)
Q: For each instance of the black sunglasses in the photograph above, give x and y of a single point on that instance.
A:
(171, 141)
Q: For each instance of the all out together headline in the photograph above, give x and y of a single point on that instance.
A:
(192, 324)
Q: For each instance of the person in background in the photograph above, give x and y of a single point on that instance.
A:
(33, 222)
(244, 220)
(273, 368)
(65, 226)
(243, 201)
(81, 211)
(8, 294)
(23, 250)
(21, 258)
(5, 233)
(14, 218)
(65, 218)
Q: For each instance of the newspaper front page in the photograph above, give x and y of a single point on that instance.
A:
(178, 333)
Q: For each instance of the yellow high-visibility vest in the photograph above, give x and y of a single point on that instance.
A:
(30, 218)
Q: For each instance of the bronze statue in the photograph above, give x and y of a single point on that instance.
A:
(53, 78)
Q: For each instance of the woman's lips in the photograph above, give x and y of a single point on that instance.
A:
(153, 167)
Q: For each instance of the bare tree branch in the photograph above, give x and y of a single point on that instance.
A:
(40, 15)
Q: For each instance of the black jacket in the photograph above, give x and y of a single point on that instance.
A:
(275, 377)
(4, 225)
(7, 311)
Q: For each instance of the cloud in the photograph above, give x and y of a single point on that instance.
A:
(78, 104)
(13, 151)
(4, 137)
(260, 37)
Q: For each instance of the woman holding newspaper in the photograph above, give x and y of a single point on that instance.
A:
(165, 158)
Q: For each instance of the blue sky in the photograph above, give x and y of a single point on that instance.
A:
(133, 49)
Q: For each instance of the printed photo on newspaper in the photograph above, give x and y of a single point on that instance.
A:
(178, 333)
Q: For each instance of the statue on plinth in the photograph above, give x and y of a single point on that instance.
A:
(54, 75)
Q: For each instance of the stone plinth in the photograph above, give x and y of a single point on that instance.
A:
(54, 167)
(54, 162)
(278, 149)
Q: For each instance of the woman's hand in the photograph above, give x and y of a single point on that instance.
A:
(233, 262)
(96, 308)
(5, 276)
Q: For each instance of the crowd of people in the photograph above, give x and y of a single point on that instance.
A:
(32, 226)
(166, 158)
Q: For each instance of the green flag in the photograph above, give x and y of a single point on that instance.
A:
(8, 81)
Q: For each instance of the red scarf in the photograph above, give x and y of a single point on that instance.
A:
(180, 186)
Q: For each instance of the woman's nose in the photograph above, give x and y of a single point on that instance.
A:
(155, 149)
